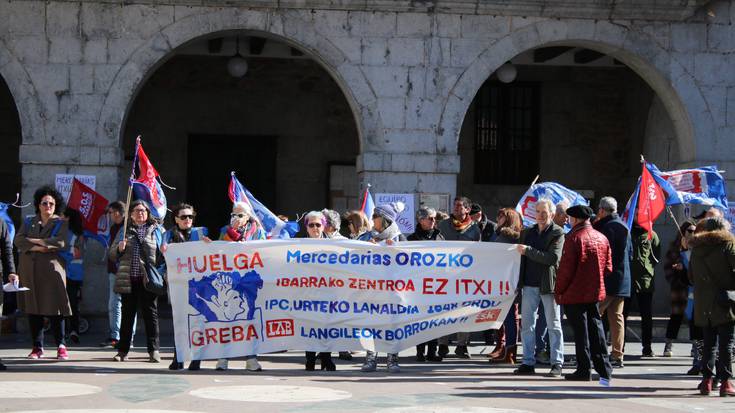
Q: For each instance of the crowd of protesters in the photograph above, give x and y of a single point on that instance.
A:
(590, 273)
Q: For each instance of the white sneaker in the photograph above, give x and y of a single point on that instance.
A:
(252, 365)
(221, 365)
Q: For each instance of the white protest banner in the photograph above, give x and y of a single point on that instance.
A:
(235, 299)
(406, 220)
(64, 183)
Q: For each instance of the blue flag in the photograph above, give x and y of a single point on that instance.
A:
(699, 186)
(274, 227)
(9, 222)
(368, 205)
(550, 190)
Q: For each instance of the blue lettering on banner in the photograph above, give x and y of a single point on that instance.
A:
(414, 259)
(341, 332)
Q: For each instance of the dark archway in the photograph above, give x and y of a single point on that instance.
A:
(285, 127)
(10, 140)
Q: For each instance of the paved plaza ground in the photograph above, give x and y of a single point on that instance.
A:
(91, 382)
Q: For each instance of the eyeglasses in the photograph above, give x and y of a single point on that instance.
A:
(185, 217)
(140, 210)
(315, 225)
(238, 215)
(690, 231)
(48, 203)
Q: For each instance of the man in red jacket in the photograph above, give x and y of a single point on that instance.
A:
(585, 261)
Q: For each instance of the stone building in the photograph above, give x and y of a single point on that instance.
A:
(405, 95)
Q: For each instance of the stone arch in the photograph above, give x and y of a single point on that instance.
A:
(640, 52)
(286, 27)
(30, 109)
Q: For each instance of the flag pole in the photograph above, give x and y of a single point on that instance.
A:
(671, 214)
(130, 188)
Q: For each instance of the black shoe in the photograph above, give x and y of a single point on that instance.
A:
(555, 371)
(443, 350)
(694, 371)
(109, 343)
(345, 355)
(420, 358)
(195, 365)
(175, 365)
(647, 353)
(328, 364)
(310, 365)
(3, 367)
(616, 363)
(525, 370)
(578, 376)
(433, 357)
(461, 352)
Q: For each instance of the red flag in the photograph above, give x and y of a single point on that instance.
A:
(651, 201)
(90, 204)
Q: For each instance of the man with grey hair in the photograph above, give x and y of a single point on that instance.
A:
(560, 216)
(541, 249)
(333, 224)
(617, 283)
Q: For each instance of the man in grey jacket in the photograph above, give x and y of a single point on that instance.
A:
(540, 249)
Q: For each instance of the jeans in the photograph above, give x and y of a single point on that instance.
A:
(722, 337)
(645, 304)
(147, 303)
(613, 306)
(511, 325)
(589, 336)
(542, 335)
(529, 307)
(35, 322)
(114, 306)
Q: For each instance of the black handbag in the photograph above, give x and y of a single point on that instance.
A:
(154, 281)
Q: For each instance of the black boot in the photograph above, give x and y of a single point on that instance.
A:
(420, 352)
(310, 360)
(327, 363)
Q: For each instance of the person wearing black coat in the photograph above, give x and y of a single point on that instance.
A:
(426, 231)
(617, 283)
(7, 265)
(487, 227)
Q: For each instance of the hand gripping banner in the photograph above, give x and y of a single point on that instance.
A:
(237, 299)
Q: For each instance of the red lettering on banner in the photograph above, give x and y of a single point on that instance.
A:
(435, 286)
(222, 335)
(218, 262)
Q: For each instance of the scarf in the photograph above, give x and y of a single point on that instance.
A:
(392, 232)
(461, 226)
(245, 233)
(177, 235)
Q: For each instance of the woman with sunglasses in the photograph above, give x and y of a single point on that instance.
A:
(184, 231)
(315, 222)
(243, 227)
(41, 269)
(675, 270)
(140, 242)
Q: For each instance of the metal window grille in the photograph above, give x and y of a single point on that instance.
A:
(507, 133)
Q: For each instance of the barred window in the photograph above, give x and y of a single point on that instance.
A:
(507, 133)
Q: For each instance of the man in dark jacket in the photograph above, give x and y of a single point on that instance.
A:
(579, 287)
(459, 227)
(617, 283)
(7, 265)
(645, 255)
(487, 227)
(540, 249)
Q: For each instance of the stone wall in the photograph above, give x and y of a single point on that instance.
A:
(408, 71)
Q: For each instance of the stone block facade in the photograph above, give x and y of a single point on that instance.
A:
(409, 71)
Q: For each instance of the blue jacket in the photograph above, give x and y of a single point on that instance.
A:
(617, 283)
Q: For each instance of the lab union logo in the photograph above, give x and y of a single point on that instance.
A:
(225, 296)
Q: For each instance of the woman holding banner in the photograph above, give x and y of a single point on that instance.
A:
(508, 231)
(243, 227)
(359, 225)
(41, 269)
(183, 231)
(140, 242)
(427, 231)
(315, 222)
(385, 232)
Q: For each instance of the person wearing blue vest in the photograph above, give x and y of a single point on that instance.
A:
(74, 270)
(40, 268)
(183, 231)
